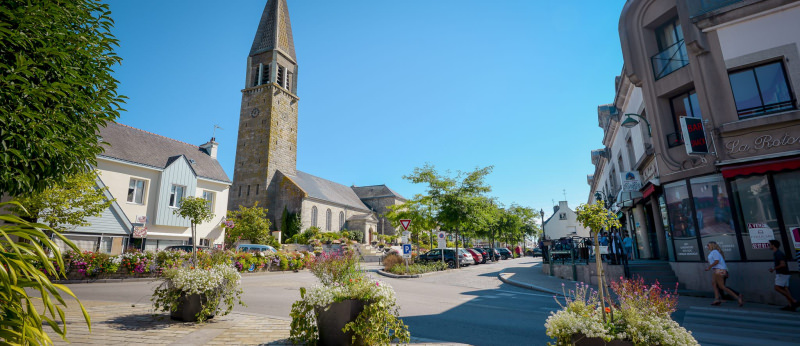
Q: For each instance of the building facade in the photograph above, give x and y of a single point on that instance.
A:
(147, 175)
(265, 170)
(719, 82)
(564, 223)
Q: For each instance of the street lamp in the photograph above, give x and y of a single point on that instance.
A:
(541, 213)
(631, 122)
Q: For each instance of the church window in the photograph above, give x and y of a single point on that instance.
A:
(240, 190)
(314, 216)
(258, 186)
(281, 71)
(248, 190)
(328, 220)
(289, 81)
(341, 220)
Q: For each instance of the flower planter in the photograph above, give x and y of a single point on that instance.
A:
(332, 320)
(188, 307)
(582, 340)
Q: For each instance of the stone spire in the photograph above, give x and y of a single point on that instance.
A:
(274, 30)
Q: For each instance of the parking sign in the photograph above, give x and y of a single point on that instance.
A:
(406, 250)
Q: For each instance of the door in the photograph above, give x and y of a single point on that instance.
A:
(651, 231)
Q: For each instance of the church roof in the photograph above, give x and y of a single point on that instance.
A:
(376, 191)
(327, 190)
(274, 30)
(145, 148)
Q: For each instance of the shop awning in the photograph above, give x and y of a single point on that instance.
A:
(648, 190)
(761, 167)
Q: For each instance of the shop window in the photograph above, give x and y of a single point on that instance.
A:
(787, 185)
(714, 217)
(681, 222)
(753, 199)
(203, 242)
(761, 90)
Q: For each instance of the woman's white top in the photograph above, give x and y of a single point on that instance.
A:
(716, 256)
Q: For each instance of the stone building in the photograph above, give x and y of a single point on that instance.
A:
(265, 170)
(378, 198)
(719, 82)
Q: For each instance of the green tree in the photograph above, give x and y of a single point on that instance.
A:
(197, 210)
(249, 223)
(66, 204)
(290, 224)
(460, 199)
(56, 91)
(420, 211)
(596, 218)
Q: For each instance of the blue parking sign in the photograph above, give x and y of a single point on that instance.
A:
(406, 250)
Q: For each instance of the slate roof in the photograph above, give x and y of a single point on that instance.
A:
(142, 147)
(327, 190)
(274, 30)
(376, 191)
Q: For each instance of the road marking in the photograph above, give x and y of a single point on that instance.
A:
(529, 294)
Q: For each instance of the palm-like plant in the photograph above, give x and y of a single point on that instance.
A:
(23, 243)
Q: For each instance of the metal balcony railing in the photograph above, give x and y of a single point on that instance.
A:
(700, 7)
(669, 60)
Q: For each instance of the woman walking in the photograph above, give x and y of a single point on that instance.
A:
(716, 260)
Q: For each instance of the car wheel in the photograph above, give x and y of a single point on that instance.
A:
(450, 264)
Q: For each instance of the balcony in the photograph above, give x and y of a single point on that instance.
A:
(670, 60)
(700, 7)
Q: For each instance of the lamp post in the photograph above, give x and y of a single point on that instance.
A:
(631, 122)
(541, 213)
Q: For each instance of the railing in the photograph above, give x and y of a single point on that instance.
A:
(700, 7)
(579, 250)
(669, 60)
(765, 109)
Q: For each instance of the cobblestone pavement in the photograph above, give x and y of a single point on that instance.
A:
(124, 324)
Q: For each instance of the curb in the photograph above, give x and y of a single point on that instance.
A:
(502, 278)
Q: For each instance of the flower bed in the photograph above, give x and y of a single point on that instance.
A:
(135, 263)
(417, 268)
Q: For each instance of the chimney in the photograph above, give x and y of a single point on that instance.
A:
(210, 148)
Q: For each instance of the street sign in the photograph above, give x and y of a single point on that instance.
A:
(405, 236)
(442, 241)
(406, 250)
(405, 223)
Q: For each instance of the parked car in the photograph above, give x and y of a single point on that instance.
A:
(476, 256)
(505, 253)
(484, 254)
(255, 248)
(494, 255)
(535, 252)
(184, 248)
(435, 255)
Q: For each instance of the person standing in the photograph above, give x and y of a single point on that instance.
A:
(781, 270)
(627, 244)
(603, 240)
(716, 262)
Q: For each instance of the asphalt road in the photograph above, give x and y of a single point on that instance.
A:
(470, 305)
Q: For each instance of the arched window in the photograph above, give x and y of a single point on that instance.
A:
(341, 220)
(314, 216)
(328, 220)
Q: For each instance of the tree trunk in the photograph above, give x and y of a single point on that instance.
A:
(194, 247)
(600, 274)
(458, 258)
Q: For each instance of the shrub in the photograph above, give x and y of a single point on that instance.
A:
(390, 260)
(339, 267)
(417, 268)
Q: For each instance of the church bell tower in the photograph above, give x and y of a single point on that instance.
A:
(268, 118)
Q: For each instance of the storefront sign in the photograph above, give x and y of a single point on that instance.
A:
(686, 250)
(760, 235)
(796, 236)
(694, 135)
(139, 231)
(631, 181)
(763, 142)
(649, 171)
(141, 219)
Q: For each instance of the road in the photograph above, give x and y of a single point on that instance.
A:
(468, 306)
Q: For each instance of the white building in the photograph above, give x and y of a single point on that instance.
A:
(564, 223)
(147, 175)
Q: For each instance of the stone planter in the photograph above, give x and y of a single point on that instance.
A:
(331, 322)
(582, 340)
(188, 307)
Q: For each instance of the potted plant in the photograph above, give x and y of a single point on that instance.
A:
(640, 315)
(347, 308)
(197, 294)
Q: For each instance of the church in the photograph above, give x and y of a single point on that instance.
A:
(265, 170)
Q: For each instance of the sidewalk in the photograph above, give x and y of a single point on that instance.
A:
(122, 324)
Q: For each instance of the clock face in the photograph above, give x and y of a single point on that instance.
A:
(254, 112)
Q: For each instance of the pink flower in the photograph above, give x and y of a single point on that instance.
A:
(377, 284)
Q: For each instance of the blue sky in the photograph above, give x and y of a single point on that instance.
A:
(386, 86)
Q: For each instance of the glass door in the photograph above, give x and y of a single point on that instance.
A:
(787, 185)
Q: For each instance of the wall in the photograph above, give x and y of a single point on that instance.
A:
(556, 228)
(177, 173)
(752, 279)
(305, 216)
(586, 273)
(117, 177)
(213, 230)
(761, 33)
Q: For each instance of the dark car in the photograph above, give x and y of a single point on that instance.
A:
(185, 248)
(505, 253)
(484, 254)
(435, 255)
(494, 255)
(535, 252)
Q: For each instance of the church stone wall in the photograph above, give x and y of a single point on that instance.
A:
(381, 206)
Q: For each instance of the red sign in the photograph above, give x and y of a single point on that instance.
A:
(405, 224)
(694, 136)
(140, 232)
